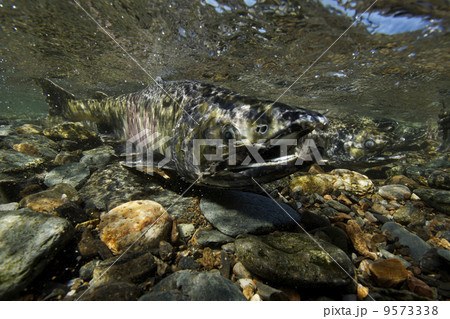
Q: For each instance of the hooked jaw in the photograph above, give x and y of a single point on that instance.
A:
(274, 158)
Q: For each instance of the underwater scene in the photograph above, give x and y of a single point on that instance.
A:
(227, 150)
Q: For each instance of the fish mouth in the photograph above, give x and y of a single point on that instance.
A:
(265, 160)
(272, 157)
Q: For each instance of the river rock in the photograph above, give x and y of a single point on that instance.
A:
(405, 214)
(395, 192)
(28, 129)
(9, 206)
(417, 246)
(389, 272)
(49, 200)
(98, 157)
(115, 185)
(268, 293)
(141, 223)
(436, 198)
(74, 132)
(112, 291)
(211, 238)
(338, 206)
(402, 180)
(186, 230)
(338, 179)
(439, 179)
(295, 260)
(132, 267)
(196, 286)
(43, 146)
(235, 212)
(73, 174)
(13, 161)
(5, 130)
(28, 240)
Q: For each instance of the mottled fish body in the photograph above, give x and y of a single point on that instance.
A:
(185, 112)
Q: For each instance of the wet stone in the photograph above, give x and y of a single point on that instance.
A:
(115, 185)
(186, 230)
(5, 130)
(235, 212)
(87, 271)
(439, 179)
(268, 293)
(417, 246)
(294, 259)
(406, 214)
(145, 220)
(338, 206)
(438, 199)
(188, 263)
(73, 174)
(402, 180)
(333, 235)
(98, 157)
(112, 291)
(28, 129)
(74, 132)
(34, 235)
(211, 238)
(43, 146)
(240, 271)
(388, 273)
(9, 206)
(395, 192)
(312, 221)
(49, 200)
(13, 161)
(187, 285)
(132, 267)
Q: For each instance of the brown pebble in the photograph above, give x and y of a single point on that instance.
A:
(388, 273)
(362, 292)
(175, 234)
(419, 287)
(344, 200)
(357, 237)
(25, 148)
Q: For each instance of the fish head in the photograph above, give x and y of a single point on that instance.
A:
(247, 140)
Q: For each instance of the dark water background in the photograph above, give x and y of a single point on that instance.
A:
(393, 63)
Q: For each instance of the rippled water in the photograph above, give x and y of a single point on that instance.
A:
(393, 62)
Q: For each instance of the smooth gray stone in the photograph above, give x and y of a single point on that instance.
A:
(395, 191)
(211, 238)
(195, 286)
(295, 260)
(338, 206)
(13, 161)
(28, 241)
(436, 198)
(236, 212)
(417, 246)
(73, 174)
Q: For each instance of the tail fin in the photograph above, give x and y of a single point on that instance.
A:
(56, 97)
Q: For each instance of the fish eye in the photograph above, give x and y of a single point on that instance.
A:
(228, 132)
(369, 144)
(262, 128)
(228, 135)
